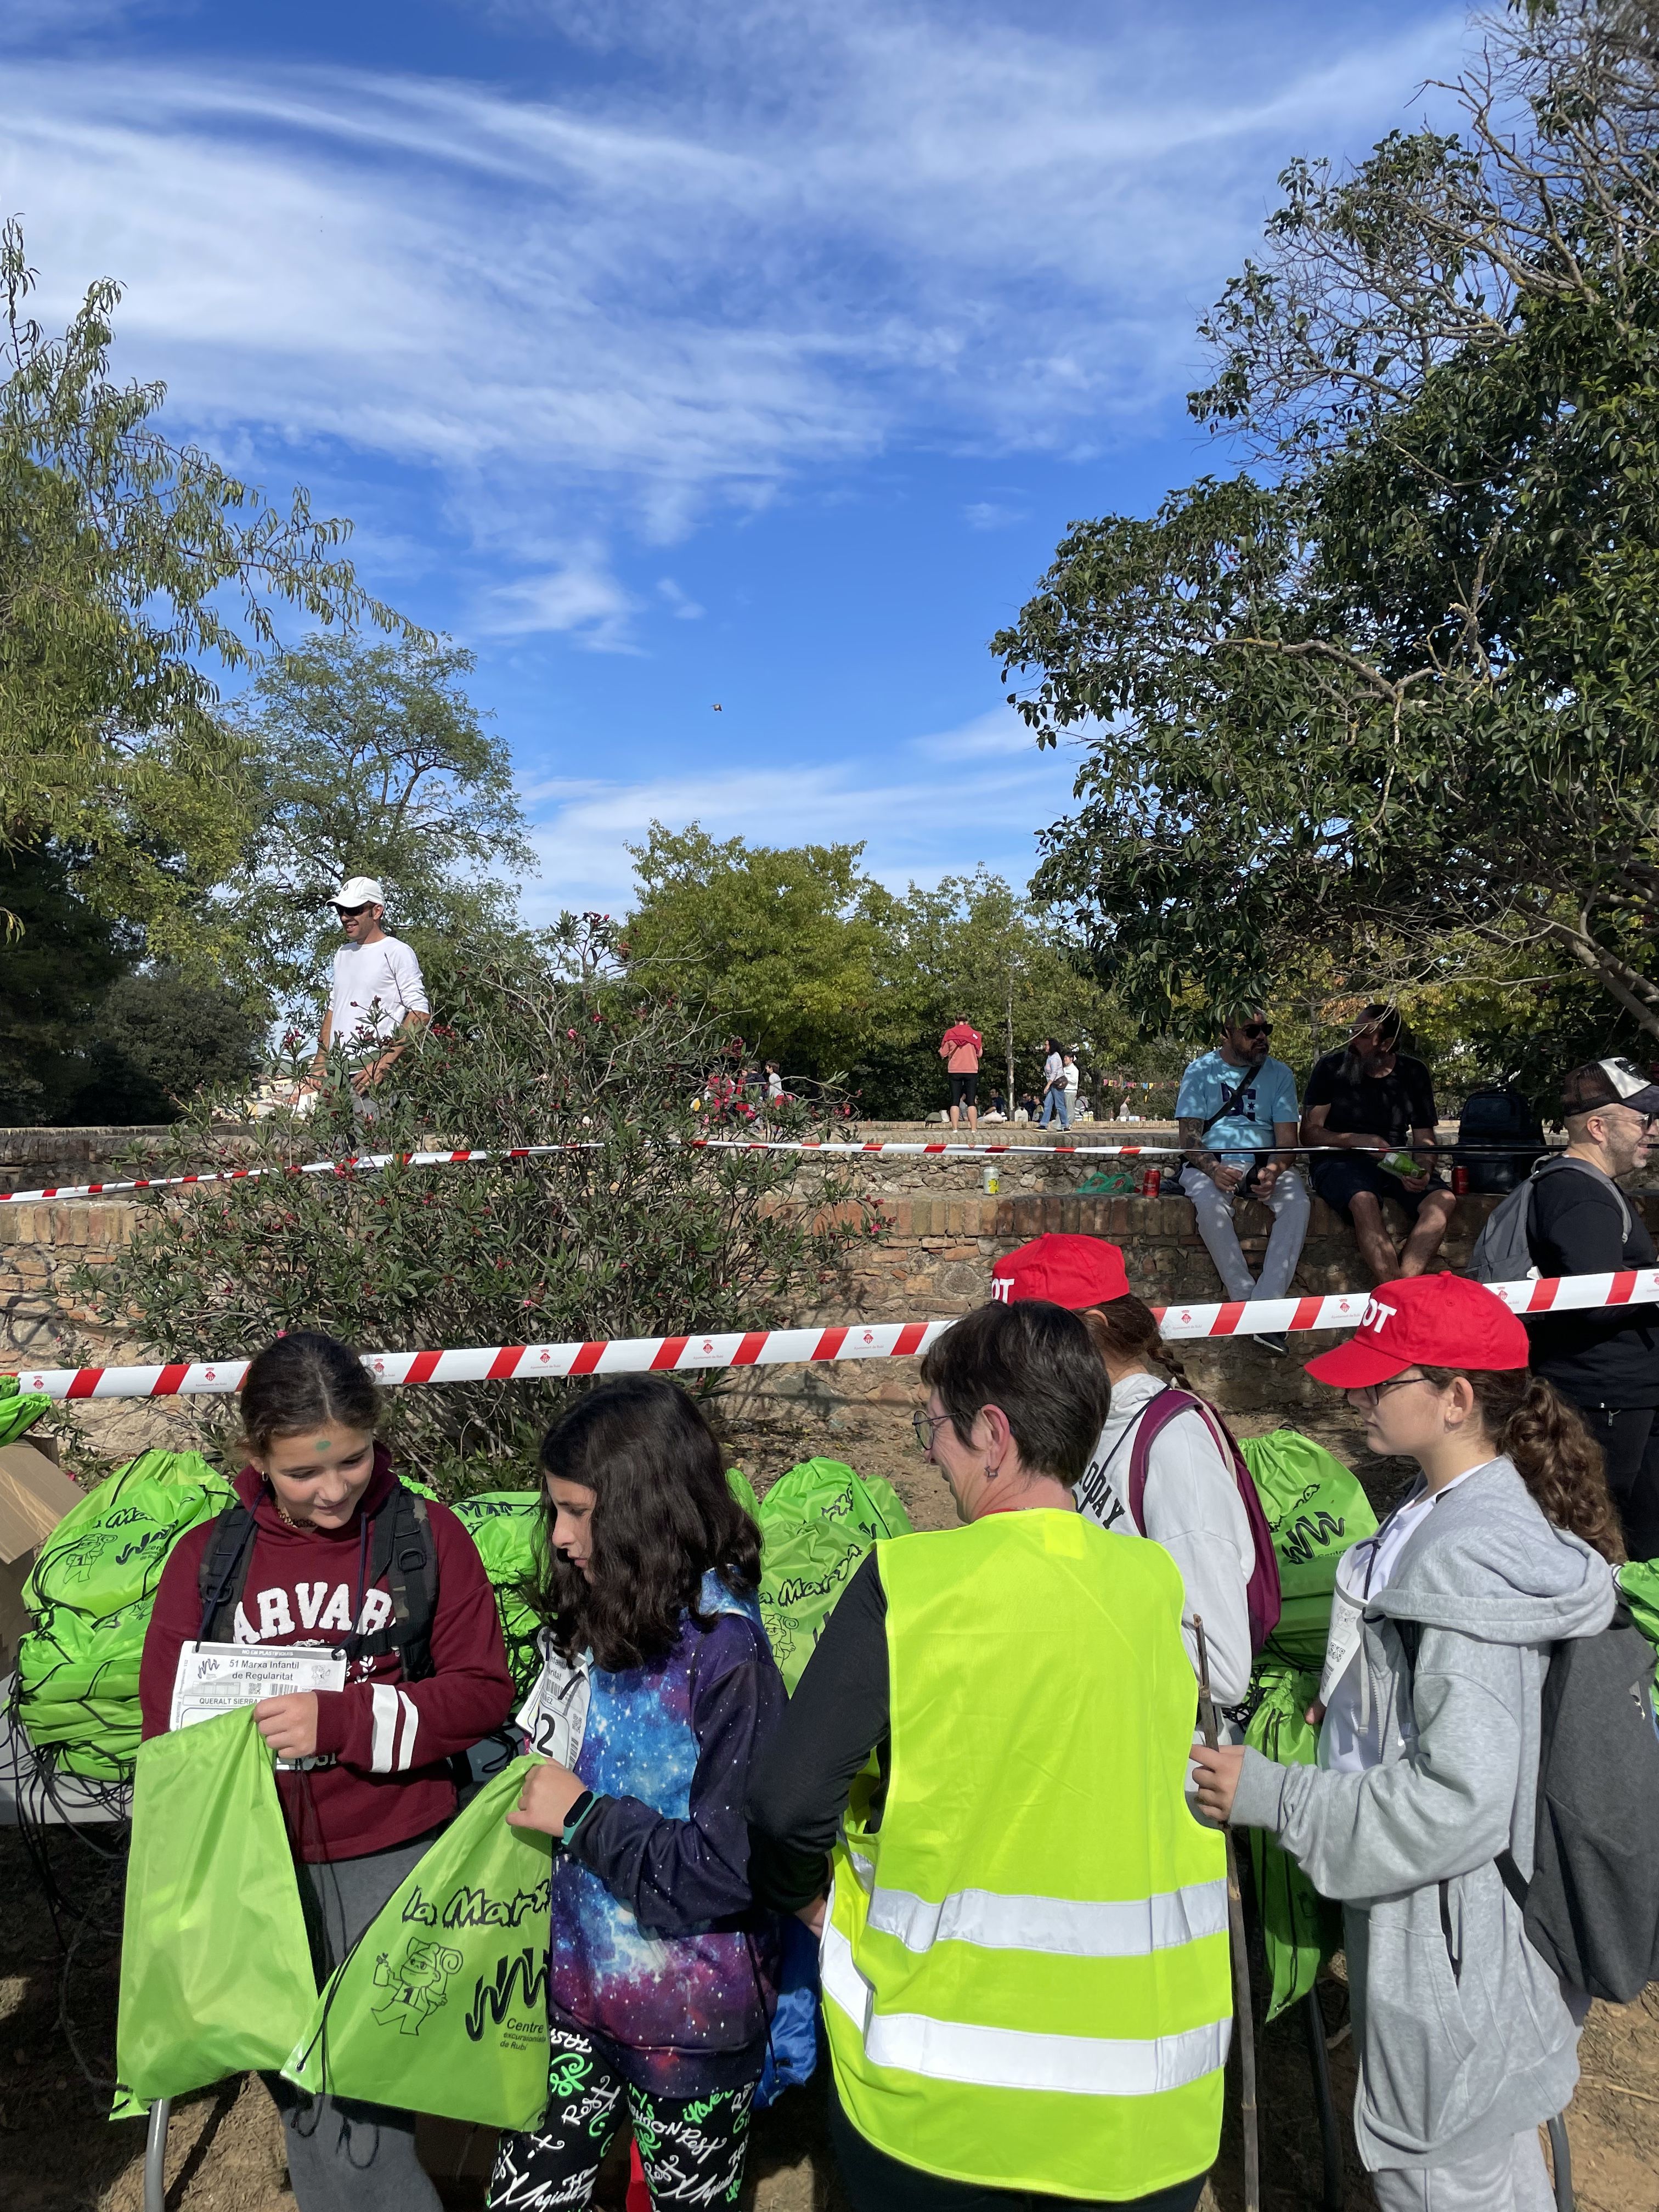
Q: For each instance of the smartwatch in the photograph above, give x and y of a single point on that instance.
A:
(573, 1818)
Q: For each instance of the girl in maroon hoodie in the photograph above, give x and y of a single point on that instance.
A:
(306, 1559)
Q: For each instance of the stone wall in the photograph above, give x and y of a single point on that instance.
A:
(942, 1234)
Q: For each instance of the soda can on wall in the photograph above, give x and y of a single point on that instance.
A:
(1459, 1182)
(1151, 1183)
(992, 1179)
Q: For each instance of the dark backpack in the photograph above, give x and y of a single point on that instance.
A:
(402, 1553)
(1496, 1115)
(1501, 1253)
(1592, 1906)
(1262, 1595)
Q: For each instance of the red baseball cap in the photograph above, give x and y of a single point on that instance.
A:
(1076, 1272)
(1431, 1321)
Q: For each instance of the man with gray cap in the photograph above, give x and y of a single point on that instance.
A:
(1606, 1361)
(377, 994)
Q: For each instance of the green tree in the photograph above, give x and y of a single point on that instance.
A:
(129, 566)
(632, 1233)
(1397, 701)
(371, 760)
(794, 946)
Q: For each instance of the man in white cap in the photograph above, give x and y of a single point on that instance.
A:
(378, 995)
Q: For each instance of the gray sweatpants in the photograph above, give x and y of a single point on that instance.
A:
(1288, 1199)
(342, 2156)
(1512, 2177)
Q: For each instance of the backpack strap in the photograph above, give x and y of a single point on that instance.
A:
(222, 1575)
(402, 1554)
(1155, 1417)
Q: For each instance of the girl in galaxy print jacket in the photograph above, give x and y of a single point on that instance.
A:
(658, 1693)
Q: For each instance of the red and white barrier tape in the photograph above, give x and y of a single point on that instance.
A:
(368, 1163)
(782, 1347)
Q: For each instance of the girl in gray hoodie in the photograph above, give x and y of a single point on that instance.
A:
(1428, 1749)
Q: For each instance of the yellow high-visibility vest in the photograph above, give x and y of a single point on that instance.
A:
(1025, 1965)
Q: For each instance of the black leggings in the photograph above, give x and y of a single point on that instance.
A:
(875, 2183)
(1629, 1438)
(692, 2148)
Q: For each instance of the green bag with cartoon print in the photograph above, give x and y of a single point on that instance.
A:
(441, 2005)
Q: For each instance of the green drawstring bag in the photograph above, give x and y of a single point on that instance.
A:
(441, 2006)
(215, 1963)
(817, 1524)
(1300, 1929)
(1638, 1586)
(506, 1525)
(744, 1491)
(19, 1410)
(1316, 1509)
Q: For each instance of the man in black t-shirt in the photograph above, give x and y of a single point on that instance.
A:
(1369, 1099)
(1606, 1362)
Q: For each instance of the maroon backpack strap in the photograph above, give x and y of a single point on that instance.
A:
(1158, 1413)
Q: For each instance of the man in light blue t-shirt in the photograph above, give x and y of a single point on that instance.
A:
(1237, 1113)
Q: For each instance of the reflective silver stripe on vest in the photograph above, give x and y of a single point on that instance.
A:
(1016, 2058)
(1131, 1929)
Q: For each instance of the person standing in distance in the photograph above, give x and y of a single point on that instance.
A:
(1056, 1104)
(1234, 1105)
(960, 1048)
(1026, 1987)
(377, 997)
(1605, 1362)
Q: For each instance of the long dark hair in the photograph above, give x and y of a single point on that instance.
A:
(1126, 1328)
(302, 1379)
(663, 1515)
(1554, 1454)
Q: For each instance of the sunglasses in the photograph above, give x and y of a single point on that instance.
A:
(351, 912)
(1255, 1028)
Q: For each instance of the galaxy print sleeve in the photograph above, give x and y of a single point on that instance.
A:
(678, 1876)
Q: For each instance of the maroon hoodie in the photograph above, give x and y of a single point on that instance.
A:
(391, 1741)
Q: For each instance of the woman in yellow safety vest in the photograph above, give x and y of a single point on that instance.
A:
(1025, 1942)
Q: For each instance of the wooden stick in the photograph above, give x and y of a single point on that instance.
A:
(1207, 1723)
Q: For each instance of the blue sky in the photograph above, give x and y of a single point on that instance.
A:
(672, 354)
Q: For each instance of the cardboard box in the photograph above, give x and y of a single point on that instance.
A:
(33, 1498)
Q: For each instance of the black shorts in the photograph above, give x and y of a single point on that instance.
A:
(964, 1089)
(1338, 1175)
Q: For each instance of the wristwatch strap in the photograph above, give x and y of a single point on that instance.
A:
(574, 1818)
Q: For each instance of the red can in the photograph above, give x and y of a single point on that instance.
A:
(1459, 1182)
(1152, 1182)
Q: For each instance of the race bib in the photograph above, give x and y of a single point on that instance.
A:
(1347, 1615)
(217, 1678)
(554, 1714)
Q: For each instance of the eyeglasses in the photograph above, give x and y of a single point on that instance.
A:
(351, 912)
(927, 1426)
(1255, 1028)
(1369, 1392)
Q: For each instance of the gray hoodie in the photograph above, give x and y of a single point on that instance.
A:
(1465, 2037)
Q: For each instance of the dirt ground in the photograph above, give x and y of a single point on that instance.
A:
(58, 2153)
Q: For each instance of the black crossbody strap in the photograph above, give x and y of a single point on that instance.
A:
(1230, 1100)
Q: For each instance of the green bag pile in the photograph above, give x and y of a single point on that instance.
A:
(816, 1522)
(1316, 1509)
(90, 1595)
(215, 1964)
(506, 1525)
(443, 2005)
(19, 1410)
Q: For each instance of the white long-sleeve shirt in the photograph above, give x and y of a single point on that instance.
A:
(1191, 1505)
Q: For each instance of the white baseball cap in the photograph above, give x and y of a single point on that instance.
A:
(359, 890)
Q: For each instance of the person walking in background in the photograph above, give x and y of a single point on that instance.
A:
(1367, 1099)
(1428, 1749)
(1055, 1106)
(1026, 1990)
(377, 995)
(1606, 1363)
(960, 1048)
(1234, 1106)
(1069, 1078)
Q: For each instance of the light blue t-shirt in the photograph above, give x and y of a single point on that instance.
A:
(1248, 1129)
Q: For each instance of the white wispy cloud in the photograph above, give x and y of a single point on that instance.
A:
(579, 596)
(950, 800)
(783, 234)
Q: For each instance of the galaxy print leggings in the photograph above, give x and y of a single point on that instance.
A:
(692, 2149)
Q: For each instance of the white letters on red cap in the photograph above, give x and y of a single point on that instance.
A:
(1375, 1313)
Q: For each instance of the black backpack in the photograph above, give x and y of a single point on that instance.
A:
(1592, 1906)
(1495, 1115)
(401, 1553)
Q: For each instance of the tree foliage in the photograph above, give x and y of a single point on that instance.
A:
(371, 760)
(633, 1234)
(129, 566)
(1395, 698)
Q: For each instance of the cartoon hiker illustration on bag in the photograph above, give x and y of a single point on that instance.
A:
(418, 1986)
